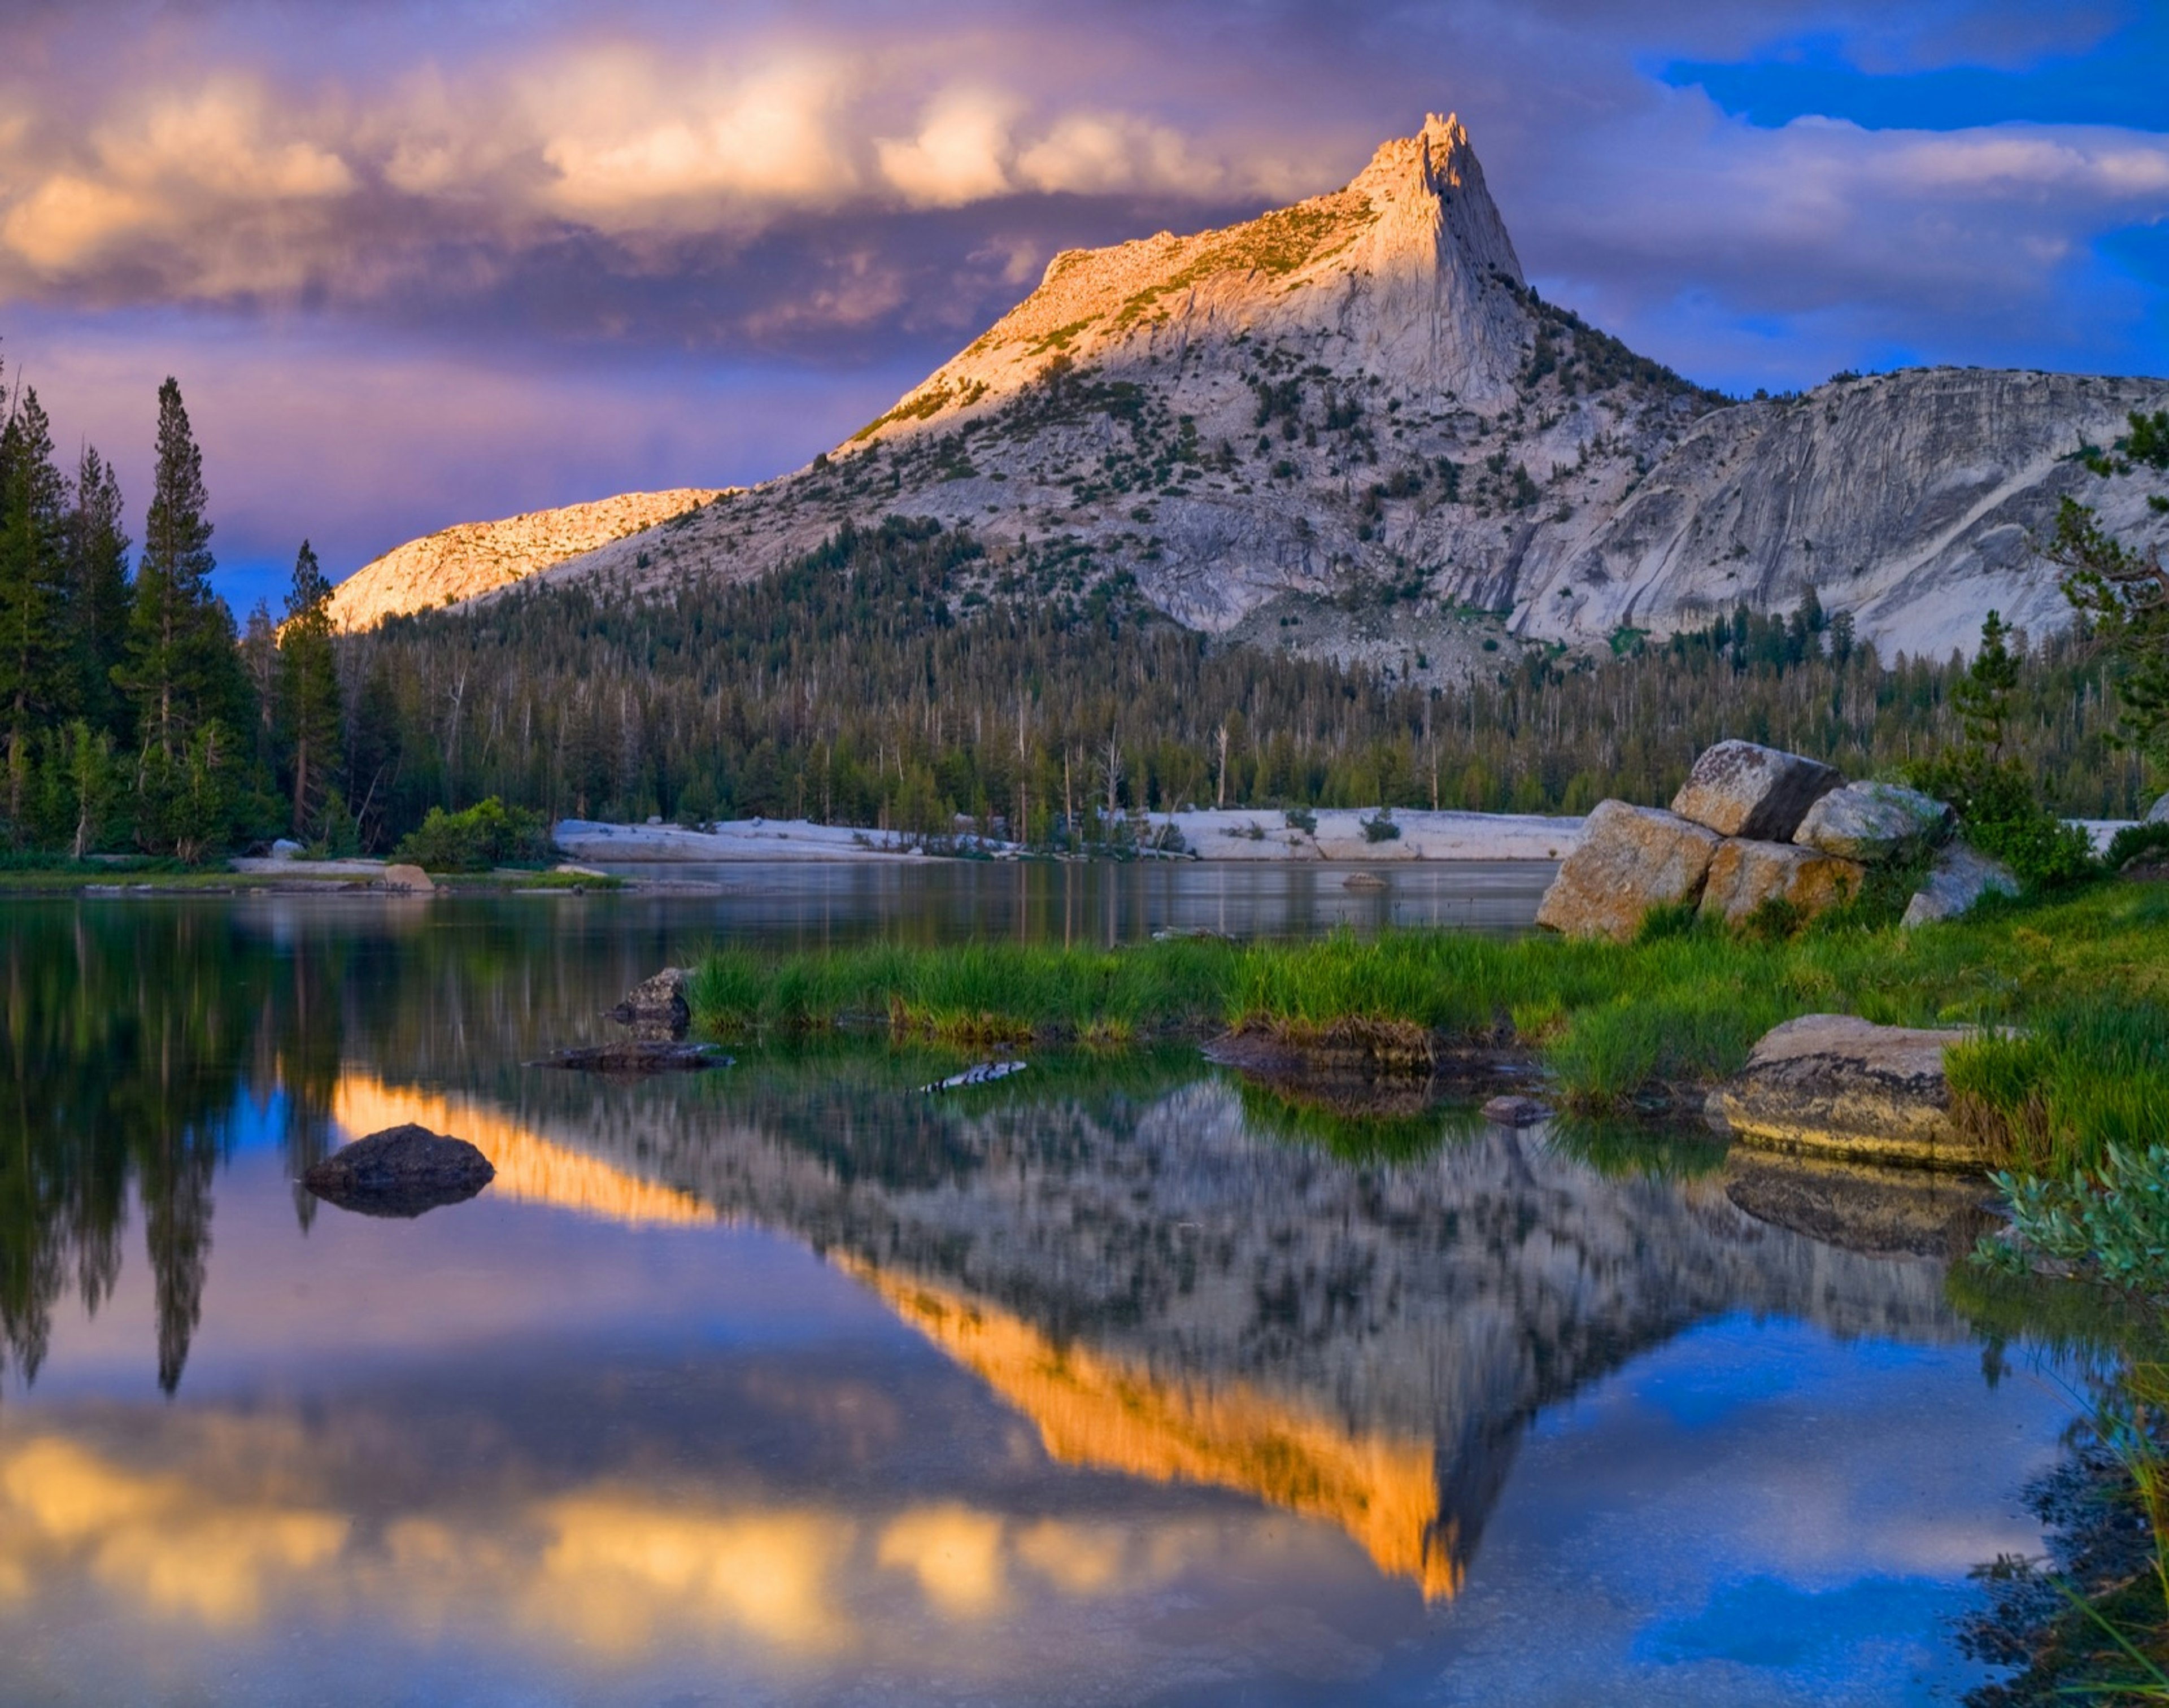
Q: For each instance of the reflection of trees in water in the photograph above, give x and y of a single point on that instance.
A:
(131, 1038)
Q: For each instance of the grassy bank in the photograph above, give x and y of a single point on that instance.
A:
(2086, 975)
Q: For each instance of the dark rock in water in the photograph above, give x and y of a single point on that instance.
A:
(656, 1008)
(985, 1073)
(638, 1056)
(402, 1171)
(1363, 880)
(1516, 1111)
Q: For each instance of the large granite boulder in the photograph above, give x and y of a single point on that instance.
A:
(1630, 859)
(1833, 1085)
(1745, 874)
(1875, 821)
(1960, 877)
(2159, 812)
(411, 879)
(1741, 789)
(402, 1171)
(656, 1008)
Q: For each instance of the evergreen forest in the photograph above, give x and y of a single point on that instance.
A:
(897, 678)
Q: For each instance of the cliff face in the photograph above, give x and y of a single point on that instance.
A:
(1357, 399)
(474, 558)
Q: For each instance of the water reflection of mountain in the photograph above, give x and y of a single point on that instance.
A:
(1167, 1293)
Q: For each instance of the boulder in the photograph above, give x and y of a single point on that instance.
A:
(286, 848)
(656, 1008)
(1875, 821)
(402, 1171)
(1833, 1085)
(410, 878)
(1630, 859)
(1743, 875)
(1740, 789)
(2159, 812)
(1960, 877)
(1509, 1111)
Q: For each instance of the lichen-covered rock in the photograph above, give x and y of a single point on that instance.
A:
(1875, 821)
(656, 1008)
(1835, 1085)
(1960, 877)
(402, 1171)
(1630, 859)
(1744, 789)
(1745, 874)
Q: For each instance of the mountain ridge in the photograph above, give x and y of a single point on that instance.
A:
(1356, 404)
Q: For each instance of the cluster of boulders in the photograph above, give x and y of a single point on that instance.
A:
(1754, 825)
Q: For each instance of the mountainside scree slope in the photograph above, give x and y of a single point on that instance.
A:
(1350, 427)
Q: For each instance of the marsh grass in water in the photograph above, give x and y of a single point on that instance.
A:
(2087, 974)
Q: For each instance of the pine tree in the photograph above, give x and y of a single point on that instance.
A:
(182, 673)
(34, 676)
(181, 669)
(1982, 696)
(99, 594)
(309, 691)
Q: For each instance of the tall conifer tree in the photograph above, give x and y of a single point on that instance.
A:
(98, 594)
(181, 669)
(34, 674)
(309, 689)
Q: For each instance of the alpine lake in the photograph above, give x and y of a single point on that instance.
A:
(1122, 1381)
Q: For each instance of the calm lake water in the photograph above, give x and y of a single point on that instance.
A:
(815, 903)
(1118, 1382)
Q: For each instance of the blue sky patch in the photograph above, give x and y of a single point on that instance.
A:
(2125, 81)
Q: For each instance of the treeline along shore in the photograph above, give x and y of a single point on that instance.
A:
(899, 677)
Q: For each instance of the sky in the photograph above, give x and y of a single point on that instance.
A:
(419, 262)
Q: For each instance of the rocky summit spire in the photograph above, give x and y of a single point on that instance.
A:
(1406, 271)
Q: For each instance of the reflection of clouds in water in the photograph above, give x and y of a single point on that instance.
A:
(227, 1532)
(956, 1554)
(620, 1565)
(163, 1542)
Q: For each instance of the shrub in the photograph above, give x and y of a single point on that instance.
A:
(487, 834)
(1301, 818)
(1381, 827)
(2133, 841)
(2004, 818)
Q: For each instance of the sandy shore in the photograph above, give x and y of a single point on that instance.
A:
(1261, 835)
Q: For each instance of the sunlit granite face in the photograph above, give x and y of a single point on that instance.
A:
(789, 1384)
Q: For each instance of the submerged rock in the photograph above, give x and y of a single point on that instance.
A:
(1745, 874)
(1960, 877)
(656, 1008)
(1839, 1086)
(1516, 1111)
(1743, 788)
(402, 1171)
(1875, 821)
(1630, 859)
(639, 1055)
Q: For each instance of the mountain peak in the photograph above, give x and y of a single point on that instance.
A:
(1408, 266)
